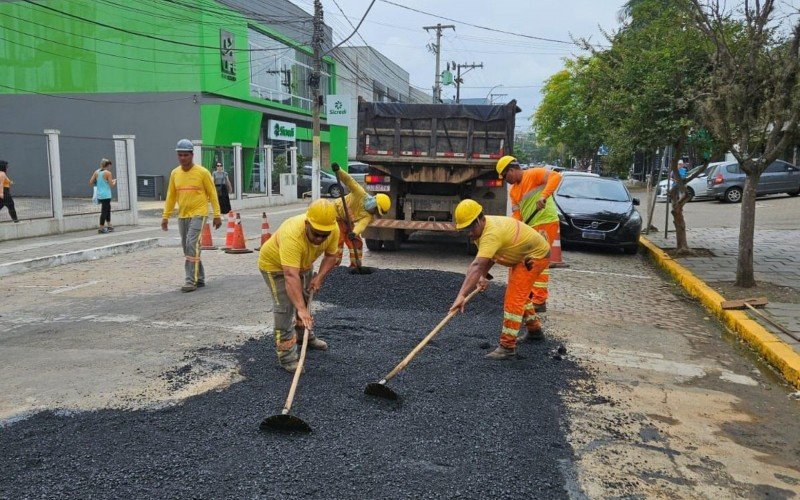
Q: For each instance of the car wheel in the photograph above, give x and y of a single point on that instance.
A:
(795, 193)
(335, 191)
(690, 193)
(374, 245)
(733, 195)
(631, 250)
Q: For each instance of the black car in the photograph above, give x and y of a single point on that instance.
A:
(597, 211)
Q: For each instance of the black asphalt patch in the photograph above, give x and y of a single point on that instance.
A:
(466, 427)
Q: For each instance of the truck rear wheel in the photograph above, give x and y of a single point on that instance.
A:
(391, 245)
(374, 245)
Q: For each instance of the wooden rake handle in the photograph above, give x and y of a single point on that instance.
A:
(425, 341)
(299, 370)
(346, 213)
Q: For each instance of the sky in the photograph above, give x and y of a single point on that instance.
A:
(519, 64)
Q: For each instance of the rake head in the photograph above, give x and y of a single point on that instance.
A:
(284, 423)
(381, 391)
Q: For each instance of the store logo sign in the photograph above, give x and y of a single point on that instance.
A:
(337, 109)
(282, 131)
(227, 55)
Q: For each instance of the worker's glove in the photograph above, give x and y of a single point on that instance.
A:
(353, 236)
(335, 167)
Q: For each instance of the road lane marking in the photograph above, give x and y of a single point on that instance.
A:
(74, 287)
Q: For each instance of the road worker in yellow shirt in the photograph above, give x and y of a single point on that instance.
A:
(286, 262)
(192, 187)
(508, 242)
(361, 209)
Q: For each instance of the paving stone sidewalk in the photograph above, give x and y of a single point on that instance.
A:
(777, 261)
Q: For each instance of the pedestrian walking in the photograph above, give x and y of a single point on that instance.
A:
(286, 262)
(192, 188)
(103, 181)
(223, 186)
(5, 192)
(532, 202)
(362, 209)
(508, 242)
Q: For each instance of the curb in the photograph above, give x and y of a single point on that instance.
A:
(774, 350)
(22, 266)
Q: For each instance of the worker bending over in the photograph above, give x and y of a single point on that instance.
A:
(511, 243)
(286, 261)
(192, 187)
(362, 208)
(532, 202)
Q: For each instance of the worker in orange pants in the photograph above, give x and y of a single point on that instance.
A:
(531, 192)
(508, 242)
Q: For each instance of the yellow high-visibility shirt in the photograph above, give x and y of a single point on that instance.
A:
(289, 246)
(508, 241)
(355, 202)
(192, 190)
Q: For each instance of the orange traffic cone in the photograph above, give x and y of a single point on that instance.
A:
(206, 243)
(265, 234)
(229, 231)
(555, 251)
(239, 242)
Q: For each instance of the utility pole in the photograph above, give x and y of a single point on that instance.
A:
(437, 85)
(314, 81)
(460, 80)
(492, 96)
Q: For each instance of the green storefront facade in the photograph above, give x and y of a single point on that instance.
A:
(211, 70)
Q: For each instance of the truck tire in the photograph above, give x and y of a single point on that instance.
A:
(374, 245)
(391, 245)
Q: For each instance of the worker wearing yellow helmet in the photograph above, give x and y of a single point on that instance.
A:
(286, 262)
(531, 192)
(362, 209)
(508, 242)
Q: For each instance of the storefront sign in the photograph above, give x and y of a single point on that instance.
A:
(227, 55)
(337, 107)
(282, 131)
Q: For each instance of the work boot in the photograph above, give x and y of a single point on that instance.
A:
(532, 335)
(201, 284)
(540, 308)
(291, 366)
(502, 353)
(188, 287)
(314, 342)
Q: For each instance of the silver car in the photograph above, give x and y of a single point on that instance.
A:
(328, 184)
(697, 187)
(726, 181)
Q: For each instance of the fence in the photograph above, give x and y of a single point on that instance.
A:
(29, 170)
(51, 176)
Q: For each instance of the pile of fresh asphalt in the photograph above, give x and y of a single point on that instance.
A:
(466, 427)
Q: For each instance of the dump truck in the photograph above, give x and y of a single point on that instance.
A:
(429, 157)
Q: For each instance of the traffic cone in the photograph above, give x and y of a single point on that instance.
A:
(265, 234)
(206, 243)
(239, 242)
(555, 251)
(229, 231)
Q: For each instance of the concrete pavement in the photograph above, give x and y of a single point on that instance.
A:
(669, 405)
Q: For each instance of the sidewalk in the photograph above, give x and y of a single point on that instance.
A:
(47, 251)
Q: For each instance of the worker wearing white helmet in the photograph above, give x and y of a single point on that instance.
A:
(362, 209)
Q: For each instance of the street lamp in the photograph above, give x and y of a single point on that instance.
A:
(491, 89)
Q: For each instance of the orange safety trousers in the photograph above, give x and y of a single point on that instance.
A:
(549, 231)
(355, 246)
(517, 301)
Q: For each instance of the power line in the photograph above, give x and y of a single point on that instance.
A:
(496, 30)
(355, 29)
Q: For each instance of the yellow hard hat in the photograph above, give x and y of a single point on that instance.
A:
(383, 202)
(502, 164)
(466, 213)
(322, 215)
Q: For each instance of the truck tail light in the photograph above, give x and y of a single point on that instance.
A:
(377, 179)
(718, 179)
(489, 183)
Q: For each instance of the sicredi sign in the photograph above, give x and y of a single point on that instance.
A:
(337, 107)
(282, 131)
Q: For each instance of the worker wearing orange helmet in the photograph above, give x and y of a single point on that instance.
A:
(286, 262)
(508, 242)
(532, 202)
(362, 209)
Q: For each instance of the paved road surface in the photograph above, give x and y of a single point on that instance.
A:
(653, 398)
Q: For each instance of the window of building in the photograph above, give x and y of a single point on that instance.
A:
(280, 73)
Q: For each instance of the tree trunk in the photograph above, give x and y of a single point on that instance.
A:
(681, 242)
(744, 264)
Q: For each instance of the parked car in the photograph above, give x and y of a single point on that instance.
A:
(597, 211)
(358, 171)
(697, 187)
(726, 181)
(328, 184)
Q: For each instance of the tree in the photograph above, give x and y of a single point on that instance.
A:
(753, 98)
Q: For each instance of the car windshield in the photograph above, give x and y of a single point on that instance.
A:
(592, 188)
